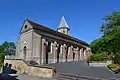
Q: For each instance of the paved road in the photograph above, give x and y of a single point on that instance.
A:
(82, 69)
(75, 68)
(21, 77)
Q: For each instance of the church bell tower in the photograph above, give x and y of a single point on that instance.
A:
(63, 26)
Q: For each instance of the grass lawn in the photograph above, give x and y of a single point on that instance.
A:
(114, 67)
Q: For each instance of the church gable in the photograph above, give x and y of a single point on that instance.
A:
(25, 27)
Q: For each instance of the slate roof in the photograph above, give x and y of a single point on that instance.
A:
(51, 31)
(63, 23)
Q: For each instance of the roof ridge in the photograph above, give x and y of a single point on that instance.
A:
(37, 25)
(41, 25)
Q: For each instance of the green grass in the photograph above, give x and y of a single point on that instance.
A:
(112, 66)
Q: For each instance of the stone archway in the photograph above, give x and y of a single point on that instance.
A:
(66, 56)
(25, 52)
(58, 53)
(47, 46)
(74, 56)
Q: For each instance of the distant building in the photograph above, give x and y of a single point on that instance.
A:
(43, 45)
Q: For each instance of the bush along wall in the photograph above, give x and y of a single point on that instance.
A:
(96, 57)
(1, 59)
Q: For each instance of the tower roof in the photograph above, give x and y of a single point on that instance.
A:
(63, 23)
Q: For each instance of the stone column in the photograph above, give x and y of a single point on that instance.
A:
(39, 51)
(85, 54)
(43, 52)
(76, 54)
(52, 44)
(88, 52)
(61, 49)
(81, 54)
(64, 53)
(55, 52)
(69, 52)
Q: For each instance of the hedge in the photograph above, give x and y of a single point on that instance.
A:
(97, 57)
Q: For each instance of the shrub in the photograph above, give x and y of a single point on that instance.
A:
(112, 66)
(1, 59)
(116, 58)
(96, 57)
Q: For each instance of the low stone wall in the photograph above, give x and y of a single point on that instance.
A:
(1, 70)
(23, 68)
(100, 64)
(42, 72)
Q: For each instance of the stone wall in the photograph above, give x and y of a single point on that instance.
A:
(100, 64)
(22, 68)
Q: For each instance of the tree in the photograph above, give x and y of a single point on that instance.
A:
(110, 41)
(111, 22)
(2, 56)
(98, 45)
(8, 48)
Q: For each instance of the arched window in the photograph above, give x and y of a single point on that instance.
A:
(25, 27)
(49, 45)
(24, 51)
(63, 31)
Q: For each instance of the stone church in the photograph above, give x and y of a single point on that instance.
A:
(45, 46)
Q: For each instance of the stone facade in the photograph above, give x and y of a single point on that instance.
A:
(45, 46)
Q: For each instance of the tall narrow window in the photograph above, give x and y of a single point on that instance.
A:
(25, 51)
(49, 46)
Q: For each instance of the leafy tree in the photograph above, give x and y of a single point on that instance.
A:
(110, 41)
(8, 48)
(98, 45)
(1, 59)
(97, 57)
(111, 22)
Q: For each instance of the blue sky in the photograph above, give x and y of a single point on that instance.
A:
(84, 17)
